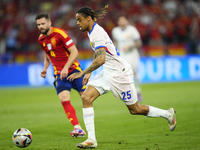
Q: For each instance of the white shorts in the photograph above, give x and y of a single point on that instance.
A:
(122, 87)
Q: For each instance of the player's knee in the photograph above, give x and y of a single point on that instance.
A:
(62, 98)
(86, 99)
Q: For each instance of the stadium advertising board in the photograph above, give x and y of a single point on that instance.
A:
(151, 70)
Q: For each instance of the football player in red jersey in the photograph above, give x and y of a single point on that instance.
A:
(61, 51)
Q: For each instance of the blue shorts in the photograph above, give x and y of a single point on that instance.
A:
(61, 85)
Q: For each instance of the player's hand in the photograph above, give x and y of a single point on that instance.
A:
(43, 73)
(63, 74)
(75, 76)
(86, 78)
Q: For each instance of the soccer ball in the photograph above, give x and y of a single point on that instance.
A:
(22, 137)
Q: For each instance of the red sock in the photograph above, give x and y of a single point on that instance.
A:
(70, 112)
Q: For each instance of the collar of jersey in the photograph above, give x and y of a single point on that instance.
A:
(92, 27)
(52, 28)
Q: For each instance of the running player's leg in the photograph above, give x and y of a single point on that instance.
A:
(77, 84)
(89, 95)
(96, 87)
(128, 93)
(150, 111)
(64, 97)
(63, 88)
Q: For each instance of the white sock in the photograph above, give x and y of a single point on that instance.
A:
(77, 126)
(88, 117)
(157, 112)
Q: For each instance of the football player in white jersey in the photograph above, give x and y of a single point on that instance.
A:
(127, 40)
(116, 76)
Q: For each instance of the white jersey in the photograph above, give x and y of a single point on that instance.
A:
(114, 64)
(126, 38)
(117, 75)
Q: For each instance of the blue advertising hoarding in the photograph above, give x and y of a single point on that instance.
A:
(151, 70)
(169, 69)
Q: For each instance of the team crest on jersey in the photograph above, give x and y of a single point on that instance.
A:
(53, 41)
(92, 44)
(44, 44)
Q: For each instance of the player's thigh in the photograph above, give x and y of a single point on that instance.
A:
(90, 94)
(80, 93)
(63, 87)
(77, 84)
(125, 91)
(100, 83)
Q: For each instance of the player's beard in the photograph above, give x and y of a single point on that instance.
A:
(45, 32)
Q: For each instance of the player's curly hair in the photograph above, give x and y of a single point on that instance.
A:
(95, 14)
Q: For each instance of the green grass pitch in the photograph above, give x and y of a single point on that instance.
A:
(40, 111)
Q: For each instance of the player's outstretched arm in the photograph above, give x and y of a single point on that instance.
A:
(99, 59)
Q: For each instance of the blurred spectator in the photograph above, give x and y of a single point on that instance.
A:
(11, 38)
(171, 7)
(158, 21)
(2, 45)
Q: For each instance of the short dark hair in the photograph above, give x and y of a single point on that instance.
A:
(122, 15)
(42, 15)
(87, 11)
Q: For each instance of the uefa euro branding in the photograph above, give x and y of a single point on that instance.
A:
(151, 70)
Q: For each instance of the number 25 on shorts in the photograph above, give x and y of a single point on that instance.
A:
(126, 95)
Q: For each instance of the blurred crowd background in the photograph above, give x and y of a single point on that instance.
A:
(167, 27)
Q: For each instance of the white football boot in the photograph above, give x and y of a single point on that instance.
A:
(89, 143)
(172, 120)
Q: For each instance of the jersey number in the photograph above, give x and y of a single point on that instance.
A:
(126, 95)
(52, 54)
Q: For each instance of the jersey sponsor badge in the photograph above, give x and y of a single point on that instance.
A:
(49, 46)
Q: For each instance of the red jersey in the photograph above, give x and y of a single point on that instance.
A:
(56, 46)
